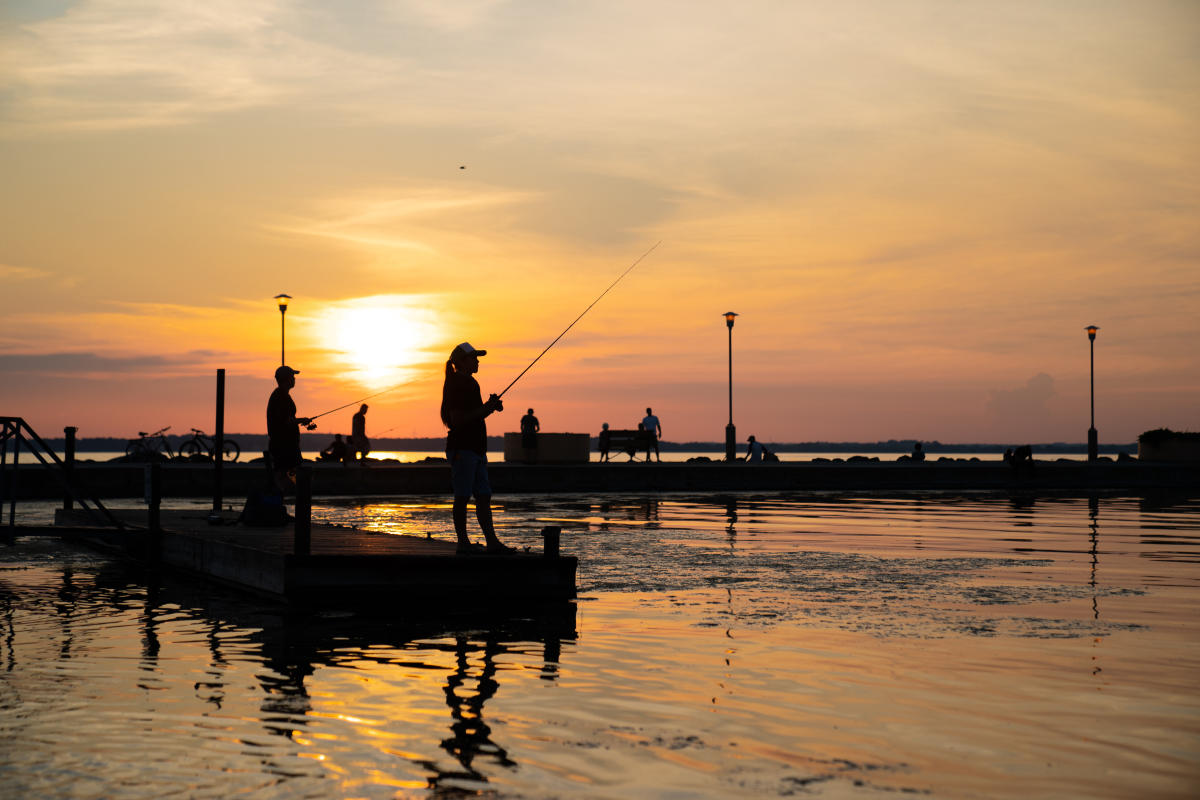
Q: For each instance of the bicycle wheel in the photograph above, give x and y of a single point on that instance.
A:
(134, 450)
(232, 450)
(190, 449)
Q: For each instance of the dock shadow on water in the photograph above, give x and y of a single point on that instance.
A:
(741, 645)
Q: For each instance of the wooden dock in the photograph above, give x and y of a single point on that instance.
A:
(343, 566)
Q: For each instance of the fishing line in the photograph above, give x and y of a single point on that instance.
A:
(589, 308)
(363, 400)
(564, 333)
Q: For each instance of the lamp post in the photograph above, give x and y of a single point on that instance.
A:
(1093, 441)
(282, 299)
(730, 431)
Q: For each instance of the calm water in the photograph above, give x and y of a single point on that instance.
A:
(740, 646)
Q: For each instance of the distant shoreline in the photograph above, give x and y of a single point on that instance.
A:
(253, 442)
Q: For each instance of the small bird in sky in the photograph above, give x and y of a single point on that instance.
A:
(463, 167)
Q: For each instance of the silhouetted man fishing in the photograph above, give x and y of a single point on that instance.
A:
(283, 430)
(360, 445)
(463, 413)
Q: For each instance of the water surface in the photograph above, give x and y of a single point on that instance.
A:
(747, 645)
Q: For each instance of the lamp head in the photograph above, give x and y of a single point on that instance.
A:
(1091, 329)
(282, 299)
(729, 315)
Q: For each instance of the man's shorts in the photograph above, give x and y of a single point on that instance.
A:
(468, 473)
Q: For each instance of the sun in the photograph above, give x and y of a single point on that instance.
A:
(382, 340)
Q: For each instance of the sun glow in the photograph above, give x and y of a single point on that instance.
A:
(382, 340)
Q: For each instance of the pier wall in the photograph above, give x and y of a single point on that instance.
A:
(33, 481)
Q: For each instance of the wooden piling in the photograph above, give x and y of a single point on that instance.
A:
(550, 541)
(219, 445)
(68, 465)
(302, 544)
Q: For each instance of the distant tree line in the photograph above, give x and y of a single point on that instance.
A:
(254, 443)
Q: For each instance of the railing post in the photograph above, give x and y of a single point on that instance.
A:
(5, 434)
(68, 465)
(219, 445)
(12, 506)
(302, 543)
(550, 541)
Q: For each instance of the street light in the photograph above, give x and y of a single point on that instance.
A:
(282, 299)
(1093, 440)
(730, 431)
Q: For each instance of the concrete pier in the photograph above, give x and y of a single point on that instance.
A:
(32, 481)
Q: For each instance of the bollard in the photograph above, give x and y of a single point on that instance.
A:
(550, 536)
(302, 542)
(68, 465)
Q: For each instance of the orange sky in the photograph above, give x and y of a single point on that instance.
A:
(916, 207)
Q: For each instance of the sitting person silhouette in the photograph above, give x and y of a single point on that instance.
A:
(336, 451)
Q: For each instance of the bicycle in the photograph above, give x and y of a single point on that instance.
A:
(150, 447)
(201, 445)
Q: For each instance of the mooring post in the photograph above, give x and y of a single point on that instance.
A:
(550, 536)
(68, 465)
(219, 447)
(153, 503)
(302, 544)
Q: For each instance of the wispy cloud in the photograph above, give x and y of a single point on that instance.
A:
(10, 272)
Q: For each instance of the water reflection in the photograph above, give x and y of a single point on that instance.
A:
(186, 631)
(852, 616)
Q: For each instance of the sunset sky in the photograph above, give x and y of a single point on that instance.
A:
(915, 207)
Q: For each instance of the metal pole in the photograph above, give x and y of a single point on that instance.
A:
(730, 375)
(730, 430)
(282, 316)
(1092, 365)
(1093, 438)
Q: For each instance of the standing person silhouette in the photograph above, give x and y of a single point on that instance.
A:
(360, 445)
(603, 441)
(283, 430)
(653, 433)
(529, 436)
(463, 412)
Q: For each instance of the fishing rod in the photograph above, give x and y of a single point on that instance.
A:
(589, 308)
(363, 400)
(564, 333)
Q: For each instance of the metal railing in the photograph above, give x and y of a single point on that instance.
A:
(17, 431)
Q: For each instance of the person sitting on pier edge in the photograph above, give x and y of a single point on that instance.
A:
(653, 432)
(917, 454)
(336, 451)
(529, 436)
(360, 445)
(463, 413)
(283, 430)
(602, 441)
(754, 451)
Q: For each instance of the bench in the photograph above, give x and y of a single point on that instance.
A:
(630, 442)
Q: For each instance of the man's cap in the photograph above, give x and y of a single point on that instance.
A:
(286, 370)
(465, 350)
